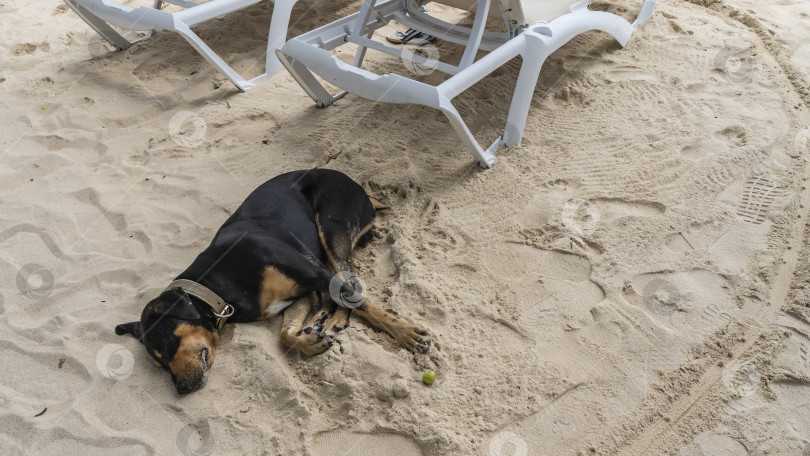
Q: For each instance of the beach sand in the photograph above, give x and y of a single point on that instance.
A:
(631, 279)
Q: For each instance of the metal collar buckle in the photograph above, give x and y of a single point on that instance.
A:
(226, 312)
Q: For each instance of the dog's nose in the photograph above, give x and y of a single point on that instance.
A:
(182, 387)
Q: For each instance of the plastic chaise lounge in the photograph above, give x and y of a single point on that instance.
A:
(100, 14)
(534, 30)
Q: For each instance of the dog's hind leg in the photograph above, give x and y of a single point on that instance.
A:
(415, 337)
(338, 239)
(296, 334)
(339, 235)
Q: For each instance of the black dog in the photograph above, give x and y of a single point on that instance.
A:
(287, 245)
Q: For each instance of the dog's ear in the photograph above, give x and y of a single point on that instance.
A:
(133, 328)
(183, 309)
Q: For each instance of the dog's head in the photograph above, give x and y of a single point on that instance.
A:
(178, 337)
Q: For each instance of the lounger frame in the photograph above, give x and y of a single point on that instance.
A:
(101, 14)
(310, 54)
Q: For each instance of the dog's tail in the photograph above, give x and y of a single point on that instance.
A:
(377, 204)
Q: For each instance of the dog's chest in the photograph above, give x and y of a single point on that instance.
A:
(278, 292)
(276, 307)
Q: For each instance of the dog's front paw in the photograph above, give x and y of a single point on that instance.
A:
(416, 338)
(309, 340)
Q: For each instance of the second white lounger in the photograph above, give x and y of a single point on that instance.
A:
(535, 29)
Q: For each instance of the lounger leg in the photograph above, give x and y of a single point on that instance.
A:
(362, 18)
(485, 158)
(534, 56)
(212, 57)
(645, 14)
(477, 33)
(282, 11)
(158, 4)
(360, 55)
(101, 27)
(306, 80)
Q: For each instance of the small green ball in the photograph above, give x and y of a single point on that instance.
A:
(429, 377)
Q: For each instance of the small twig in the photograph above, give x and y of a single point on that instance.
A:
(334, 156)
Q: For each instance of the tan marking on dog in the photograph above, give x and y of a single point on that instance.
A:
(277, 288)
(377, 204)
(329, 256)
(360, 234)
(186, 363)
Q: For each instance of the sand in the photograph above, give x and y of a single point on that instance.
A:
(631, 279)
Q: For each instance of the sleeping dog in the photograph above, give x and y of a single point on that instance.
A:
(285, 248)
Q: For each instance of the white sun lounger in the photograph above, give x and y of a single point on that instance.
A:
(535, 29)
(100, 14)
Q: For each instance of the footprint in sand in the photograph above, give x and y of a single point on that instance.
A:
(735, 136)
(694, 301)
(760, 193)
(704, 147)
(732, 243)
(614, 208)
(794, 400)
(549, 285)
(558, 202)
(517, 261)
(688, 240)
(362, 444)
(546, 205)
(711, 443)
(720, 176)
(76, 445)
